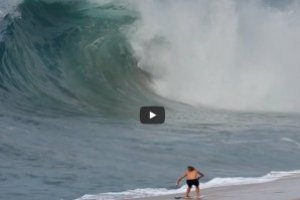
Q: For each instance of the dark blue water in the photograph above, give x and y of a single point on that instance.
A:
(65, 158)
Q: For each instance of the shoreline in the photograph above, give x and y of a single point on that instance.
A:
(286, 188)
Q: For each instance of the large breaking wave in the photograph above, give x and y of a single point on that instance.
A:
(112, 56)
(69, 56)
(240, 55)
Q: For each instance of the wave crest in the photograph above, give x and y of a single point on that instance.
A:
(69, 56)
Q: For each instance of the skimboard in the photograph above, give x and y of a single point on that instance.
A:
(196, 198)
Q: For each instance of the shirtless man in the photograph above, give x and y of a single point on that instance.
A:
(192, 178)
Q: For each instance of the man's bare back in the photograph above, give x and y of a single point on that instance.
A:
(192, 175)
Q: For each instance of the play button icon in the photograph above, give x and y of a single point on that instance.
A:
(152, 114)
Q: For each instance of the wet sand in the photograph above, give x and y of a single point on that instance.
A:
(287, 188)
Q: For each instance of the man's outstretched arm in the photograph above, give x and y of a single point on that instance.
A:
(180, 178)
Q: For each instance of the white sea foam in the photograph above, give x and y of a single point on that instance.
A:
(8, 7)
(216, 182)
(240, 55)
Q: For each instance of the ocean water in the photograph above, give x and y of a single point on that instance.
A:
(73, 75)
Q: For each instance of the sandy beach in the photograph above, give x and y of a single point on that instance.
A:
(286, 188)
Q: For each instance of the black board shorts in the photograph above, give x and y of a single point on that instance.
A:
(194, 182)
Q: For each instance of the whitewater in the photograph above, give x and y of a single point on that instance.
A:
(74, 74)
(216, 182)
